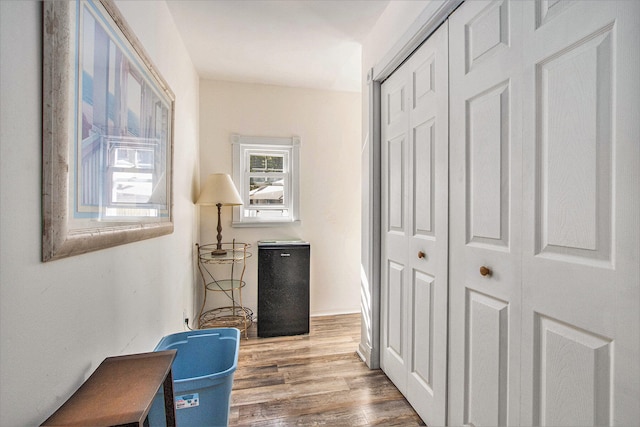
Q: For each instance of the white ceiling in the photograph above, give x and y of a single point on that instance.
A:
(300, 43)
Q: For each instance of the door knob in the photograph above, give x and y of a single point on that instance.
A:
(421, 254)
(485, 271)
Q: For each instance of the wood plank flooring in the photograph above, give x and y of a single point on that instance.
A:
(315, 379)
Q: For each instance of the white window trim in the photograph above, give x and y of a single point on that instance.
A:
(243, 143)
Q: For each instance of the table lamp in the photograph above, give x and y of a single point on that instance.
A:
(219, 191)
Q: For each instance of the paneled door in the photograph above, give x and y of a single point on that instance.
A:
(485, 213)
(581, 250)
(545, 195)
(415, 228)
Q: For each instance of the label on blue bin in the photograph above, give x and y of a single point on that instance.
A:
(187, 401)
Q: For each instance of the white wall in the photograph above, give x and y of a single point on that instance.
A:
(60, 319)
(328, 124)
(392, 27)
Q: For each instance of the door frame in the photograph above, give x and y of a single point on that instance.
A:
(420, 30)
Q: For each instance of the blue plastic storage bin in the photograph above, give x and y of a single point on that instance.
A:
(202, 377)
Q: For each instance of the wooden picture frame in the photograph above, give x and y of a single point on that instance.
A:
(108, 120)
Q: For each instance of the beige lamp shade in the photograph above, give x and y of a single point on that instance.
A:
(219, 188)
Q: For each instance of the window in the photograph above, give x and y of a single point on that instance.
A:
(129, 184)
(265, 171)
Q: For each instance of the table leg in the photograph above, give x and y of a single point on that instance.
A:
(169, 405)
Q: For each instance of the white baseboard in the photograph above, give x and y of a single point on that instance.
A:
(335, 313)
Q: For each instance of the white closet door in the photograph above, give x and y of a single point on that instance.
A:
(395, 228)
(581, 252)
(429, 240)
(485, 213)
(415, 228)
(545, 191)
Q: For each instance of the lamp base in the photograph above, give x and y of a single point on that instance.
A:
(218, 251)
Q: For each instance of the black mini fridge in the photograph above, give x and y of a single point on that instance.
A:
(283, 288)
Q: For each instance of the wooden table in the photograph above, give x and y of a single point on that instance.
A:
(120, 392)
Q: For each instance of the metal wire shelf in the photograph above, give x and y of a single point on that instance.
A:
(236, 315)
(227, 317)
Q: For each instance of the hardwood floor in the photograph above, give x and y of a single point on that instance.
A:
(315, 379)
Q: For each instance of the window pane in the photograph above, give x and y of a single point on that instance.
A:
(266, 191)
(133, 158)
(131, 187)
(266, 213)
(264, 163)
